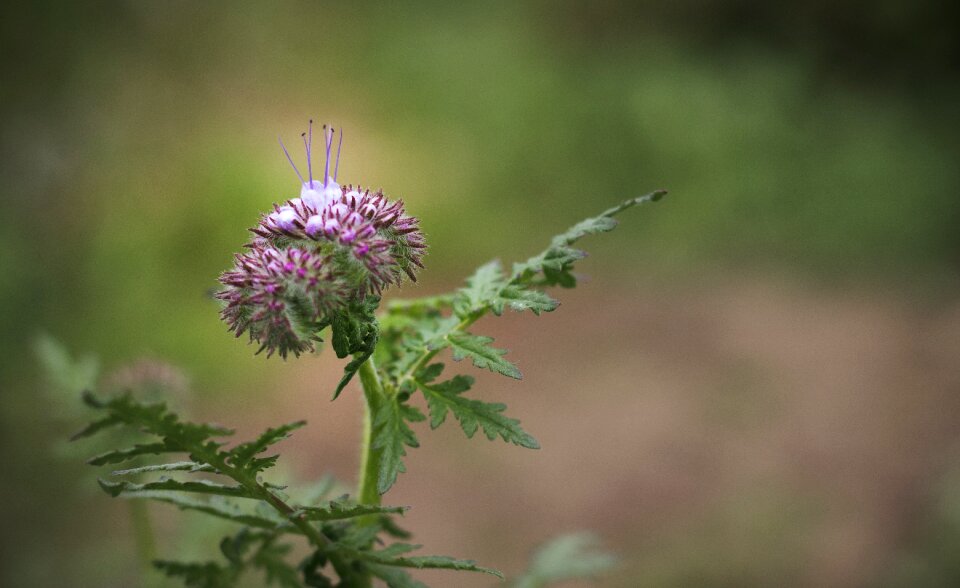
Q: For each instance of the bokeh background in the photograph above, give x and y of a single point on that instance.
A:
(757, 386)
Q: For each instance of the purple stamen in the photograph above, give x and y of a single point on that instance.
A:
(328, 139)
(306, 147)
(336, 167)
(309, 154)
(290, 159)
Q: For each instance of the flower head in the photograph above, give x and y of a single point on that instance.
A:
(313, 254)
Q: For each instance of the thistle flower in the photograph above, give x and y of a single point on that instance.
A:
(314, 254)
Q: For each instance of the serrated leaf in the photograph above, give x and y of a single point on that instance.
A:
(420, 307)
(194, 486)
(389, 526)
(489, 289)
(334, 510)
(478, 349)
(97, 426)
(179, 466)
(568, 557)
(430, 373)
(482, 289)
(359, 536)
(556, 262)
(604, 221)
(219, 507)
(243, 455)
(392, 556)
(394, 577)
(521, 299)
(198, 575)
(392, 436)
(156, 419)
(473, 414)
(122, 455)
(234, 548)
(353, 366)
(270, 559)
(311, 568)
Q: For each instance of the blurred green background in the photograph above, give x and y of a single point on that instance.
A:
(757, 386)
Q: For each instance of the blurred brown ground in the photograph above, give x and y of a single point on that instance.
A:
(695, 426)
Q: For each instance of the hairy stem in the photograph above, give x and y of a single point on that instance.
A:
(370, 456)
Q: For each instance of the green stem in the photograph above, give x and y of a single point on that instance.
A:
(370, 457)
(144, 540)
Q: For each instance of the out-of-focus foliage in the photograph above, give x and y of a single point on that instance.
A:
(567, 557)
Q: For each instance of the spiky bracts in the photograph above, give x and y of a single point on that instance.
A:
(314, 255)
(281, 297)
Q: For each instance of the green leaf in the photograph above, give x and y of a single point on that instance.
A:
(179, 466)
(568, 557)
(394, 577)
(66, 375)
(198, 575)
(392, 436)
(521, 299)
(478, 349)
(197, 486)
(482, 289)
(604, 221)
(122, 455)
(243, 455)
(270, 559)
(236, 547)
(97, 426)
(344, 509)
(489, 288)
(393, 556)
(311, 568)
(176, 436)
(556, 262)
(155, 417)
(473, 414)
(353, 366)
(418, 307)
(218, 507)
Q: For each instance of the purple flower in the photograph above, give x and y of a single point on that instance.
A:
(311, 255)
(281, 296)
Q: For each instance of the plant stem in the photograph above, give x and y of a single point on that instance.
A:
(370, 457)
(143, 539)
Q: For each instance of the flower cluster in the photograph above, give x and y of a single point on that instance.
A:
(312, 255)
